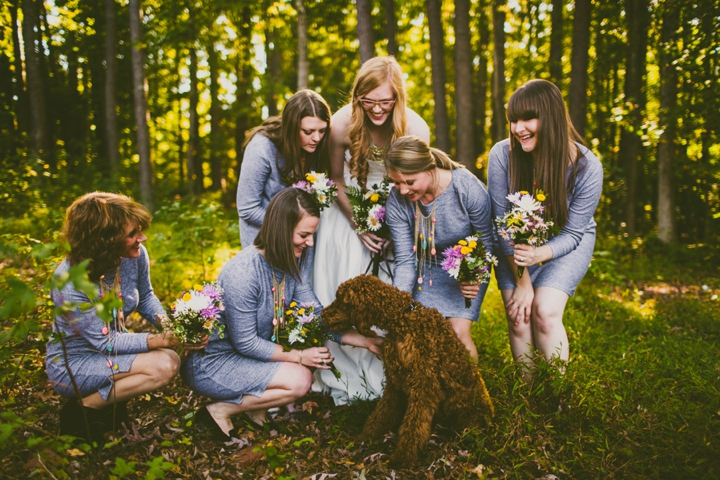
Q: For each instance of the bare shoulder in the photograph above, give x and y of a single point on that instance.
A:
(417, 126)
(341, 125)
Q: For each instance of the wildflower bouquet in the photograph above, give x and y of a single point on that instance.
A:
(196, 314)
(301, 328)
(525, 224)
(320, 187)
(468, 261)
(368, 207)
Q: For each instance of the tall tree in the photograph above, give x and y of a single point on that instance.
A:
(216, 170)
(303, 65)
(40, 141)
(482, 76)
(111, 125)
(142, 115)
(577, 99)
(631, 149)
(437, 60)
(667, 120)
(194, 159)
(556, 42)
(391, 27)
(365, 30)
(273, 53)
(464, 87)
(498, 92)
(243, 85)
(22, 112)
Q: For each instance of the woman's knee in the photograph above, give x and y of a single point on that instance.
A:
(521, 329)
(546, 318)
(166, 364)
(301, 382)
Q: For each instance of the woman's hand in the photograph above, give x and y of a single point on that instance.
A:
(357, 339)
(198, 346)
(469, 290)
(315, 357)
(519, 307)
(372, 242)
(527, 255)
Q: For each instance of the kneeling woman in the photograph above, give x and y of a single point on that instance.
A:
(108, 364)
(245, 372)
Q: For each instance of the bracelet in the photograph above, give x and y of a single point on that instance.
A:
(300, 357)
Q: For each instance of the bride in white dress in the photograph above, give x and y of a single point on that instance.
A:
(361, 134)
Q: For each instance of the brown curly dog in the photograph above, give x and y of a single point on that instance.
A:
(429, 374)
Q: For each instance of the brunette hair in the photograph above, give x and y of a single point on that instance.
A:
(373, 74)
(275, 237)
(284, 132)
(95, 227)
(410, 154)
(547, 170)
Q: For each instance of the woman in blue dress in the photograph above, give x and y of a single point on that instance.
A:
(279, 153)
(544, 153)
(245, 371)
(438, 200)
(109, 364)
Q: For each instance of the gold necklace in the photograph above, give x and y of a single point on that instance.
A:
(424, 237)
(278, 291)
(377, 154)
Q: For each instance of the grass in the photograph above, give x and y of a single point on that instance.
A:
(639, 398)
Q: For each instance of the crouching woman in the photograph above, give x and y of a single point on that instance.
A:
(103, 362)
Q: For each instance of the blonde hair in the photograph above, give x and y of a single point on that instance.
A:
(410, 154)
(373, 74)
(95, 226)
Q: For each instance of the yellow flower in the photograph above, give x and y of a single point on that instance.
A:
(197, 287)
(301, 311)
(523, 192)
(288, 312)
(293, 304)
(186, 297)
(311, 178)
(465, 250)
(473, 244)
(541, 197)
(374, 197)
(304, 331)
(462, 242)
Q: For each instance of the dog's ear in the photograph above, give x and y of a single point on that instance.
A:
(335, 318)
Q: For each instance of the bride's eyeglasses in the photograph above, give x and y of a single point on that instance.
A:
(368, 104)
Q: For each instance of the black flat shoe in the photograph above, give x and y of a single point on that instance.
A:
(72, 421)
(206, 423)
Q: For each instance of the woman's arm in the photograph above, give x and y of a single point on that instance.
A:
(258, 159)
(149, 305)
(401, 229)
(339, 142)
(498, 189)
(417, 126)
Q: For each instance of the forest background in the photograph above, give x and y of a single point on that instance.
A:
(153, 99)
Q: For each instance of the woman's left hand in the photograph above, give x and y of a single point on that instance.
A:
(469, 290)
(528, 255)
(198, 346)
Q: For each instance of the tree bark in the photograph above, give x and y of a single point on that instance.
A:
(365, 30)
(22, 109)
(391, 27)
(216, 171)
(667, 121)
(142, 116)
(556, 42)
(273, 71)
(40, 144)
(498, 95)
(464, 87)
(303, 64)
(194, 162)
(111, 125)
(631, 149)
(577, 99)
(482, 77)
(437, 54)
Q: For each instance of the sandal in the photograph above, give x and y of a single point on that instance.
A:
(206, 423)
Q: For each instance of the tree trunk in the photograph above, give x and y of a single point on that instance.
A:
(556, 42)
(194, 162)
(111, 124)
(391, 27)
(577, 99)
(243, 86)
(365, 30)
(482, 77)
(437, 54)
(22, 109)
(667, 121)
(218, 182)
(464, 87)
(498, 95)
(303, 64)
(274, 59)
(142, 115)
(40, 144)
(631, 149)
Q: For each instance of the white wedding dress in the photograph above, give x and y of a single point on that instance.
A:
(340, 256)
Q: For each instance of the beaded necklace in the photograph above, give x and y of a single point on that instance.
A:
(118, 316)
(278, 290)
(424, 237)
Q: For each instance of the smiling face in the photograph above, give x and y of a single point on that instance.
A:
(133, 238)
(525, 131)
(303, 234)
(312, 131)
(413, 186)
(383, 102)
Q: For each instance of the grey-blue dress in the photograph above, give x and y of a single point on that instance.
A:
(260, 180)
(239, 364)
(94, 349)
(461, 210)
(573, 247)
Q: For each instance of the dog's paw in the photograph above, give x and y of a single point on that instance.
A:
(400, 460)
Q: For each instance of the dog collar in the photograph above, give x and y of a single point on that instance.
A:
(413, 306)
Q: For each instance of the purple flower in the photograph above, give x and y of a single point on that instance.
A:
(212, 291)
(210, 312)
